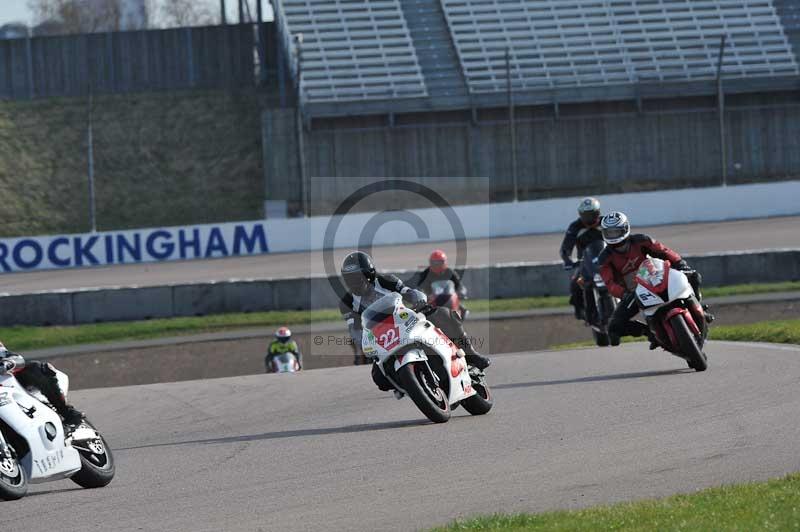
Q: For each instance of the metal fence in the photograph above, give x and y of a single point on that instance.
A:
(119, 62)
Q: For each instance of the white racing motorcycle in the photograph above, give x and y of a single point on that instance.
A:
(34, 447)
(420, 361)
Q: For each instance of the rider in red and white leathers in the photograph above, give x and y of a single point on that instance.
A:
(619, 262)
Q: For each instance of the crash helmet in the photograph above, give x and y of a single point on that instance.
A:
(283, 334)
(589, 211)
(438, 261)
(358, 272)
(615, 228)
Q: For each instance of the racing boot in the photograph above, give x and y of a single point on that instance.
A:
(707, 314)
(52, 391)
(654, 343)
(474, 358)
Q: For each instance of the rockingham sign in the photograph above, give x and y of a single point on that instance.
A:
(133, 246)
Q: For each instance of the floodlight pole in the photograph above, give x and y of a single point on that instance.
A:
(223, 17)
(723, 148)
(299, 125)
(90, 157)
(512, 129)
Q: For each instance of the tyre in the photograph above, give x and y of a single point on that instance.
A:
(97, 463)
(688, 343)
(13, 478)
(429, 398)
(480, 403)
(601, 339)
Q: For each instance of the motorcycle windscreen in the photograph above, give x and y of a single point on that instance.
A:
(380, 310)
(285, 359)
(652, 274)
(443, 287)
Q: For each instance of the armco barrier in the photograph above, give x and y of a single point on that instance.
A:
(487, 282)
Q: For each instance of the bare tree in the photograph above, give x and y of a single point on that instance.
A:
(188, 13)
(83, 16)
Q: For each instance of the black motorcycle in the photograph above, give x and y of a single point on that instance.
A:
(598, 303)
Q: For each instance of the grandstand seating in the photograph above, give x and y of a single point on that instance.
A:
(572, 43)
(352, 49)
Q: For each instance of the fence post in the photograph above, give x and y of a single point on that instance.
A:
(29, 66)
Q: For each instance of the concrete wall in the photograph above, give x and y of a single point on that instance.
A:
(578, 149)
(502, 281)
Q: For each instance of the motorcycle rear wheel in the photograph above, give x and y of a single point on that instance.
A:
(97, 463)
(429, 398)
(688, 343)
(13, 479)
(480, 403)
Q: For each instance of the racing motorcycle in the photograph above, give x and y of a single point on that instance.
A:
(285, 363)
(420, 361)
(673, 312)
(444, 294)
(36, 447)
(598, 304)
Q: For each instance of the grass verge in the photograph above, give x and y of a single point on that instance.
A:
(22, 338)
(776, 332)
(771, 505)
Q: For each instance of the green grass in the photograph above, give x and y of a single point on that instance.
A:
(25, 338)
(776, 332)
(772, 505)
(755, 288)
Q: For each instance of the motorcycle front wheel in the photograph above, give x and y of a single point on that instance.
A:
(13, 479)
(688, 343)
(423, 390)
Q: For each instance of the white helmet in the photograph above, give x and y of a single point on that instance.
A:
(615, 228)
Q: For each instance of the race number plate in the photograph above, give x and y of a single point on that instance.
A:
(387, 334)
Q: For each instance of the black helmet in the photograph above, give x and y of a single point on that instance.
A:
(358, 272)
(589, 211)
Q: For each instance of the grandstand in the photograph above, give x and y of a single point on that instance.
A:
(361, 57)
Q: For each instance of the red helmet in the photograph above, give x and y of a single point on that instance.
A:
(438, 261)
(283, 334)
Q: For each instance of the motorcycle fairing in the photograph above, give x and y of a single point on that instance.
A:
(655, 277)
(413, 329)
(49, 456)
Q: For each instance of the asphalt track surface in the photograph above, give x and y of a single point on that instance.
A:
(687, 238)
(325, 450)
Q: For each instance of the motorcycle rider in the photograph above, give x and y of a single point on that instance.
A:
(41, 376)
(282, 343)
(438, 270)
(618, 265)
(580, 234)
(365, 286)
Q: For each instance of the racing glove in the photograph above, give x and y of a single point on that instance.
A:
(681, 265)
(416, 299)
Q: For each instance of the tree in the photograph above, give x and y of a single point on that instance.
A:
(180, 13)
(77, 16)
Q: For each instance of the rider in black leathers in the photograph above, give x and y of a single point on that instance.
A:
(580, 234)
(40, 375)
(365, 285)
